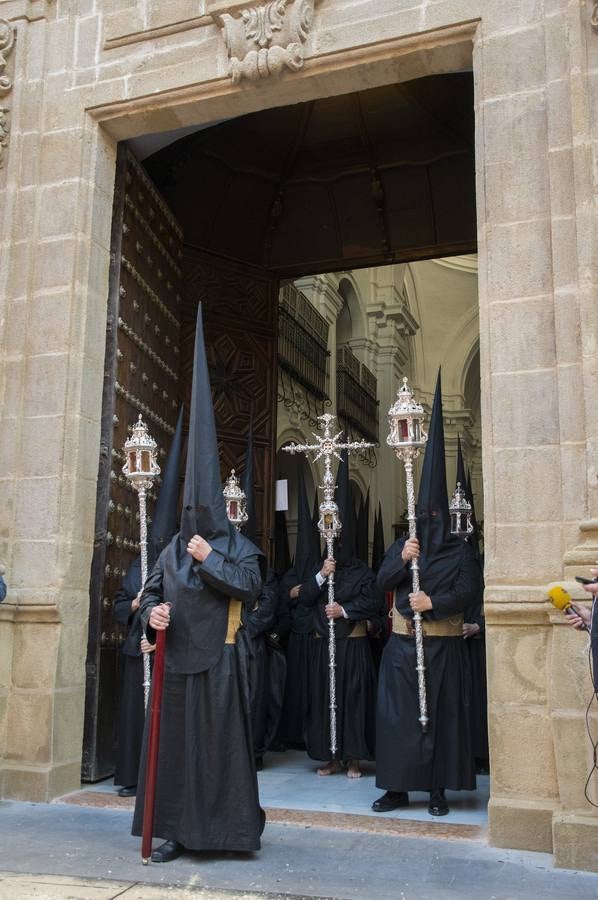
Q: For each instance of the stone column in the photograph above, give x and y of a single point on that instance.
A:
(54, 245)
(534, 429)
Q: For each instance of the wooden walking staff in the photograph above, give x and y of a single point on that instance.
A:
(153, 746)
(407, 438)
(140, 469)
(330, 527)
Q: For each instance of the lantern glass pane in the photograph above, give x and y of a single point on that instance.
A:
(416, 431)
(404, 425)
(233, 508)
(328, 520)
(145, 461)
(132, 461)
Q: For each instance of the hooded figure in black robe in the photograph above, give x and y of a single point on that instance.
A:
(268, 663)
(207, 793)
(406, 758)
(378, 627)
(307, 554)
(475, 641)
(356, 600)
(126, 611)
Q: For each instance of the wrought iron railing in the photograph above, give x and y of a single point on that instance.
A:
(302, 341)
(356, 389)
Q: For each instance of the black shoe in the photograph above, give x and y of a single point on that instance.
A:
(277, 747)
(438, 805)
(259, 763)
(167, 851)
(391, 800)
(128, 791)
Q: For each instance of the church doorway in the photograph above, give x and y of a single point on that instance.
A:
(263, 219)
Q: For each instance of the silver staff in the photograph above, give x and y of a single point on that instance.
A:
(330, 527)
(408, 438)
(141, 468)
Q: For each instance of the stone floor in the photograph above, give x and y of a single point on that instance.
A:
(93, 848)
(289, 782)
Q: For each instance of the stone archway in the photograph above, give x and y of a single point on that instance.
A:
(142, 77)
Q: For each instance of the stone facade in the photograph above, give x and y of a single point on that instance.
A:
(78, 77)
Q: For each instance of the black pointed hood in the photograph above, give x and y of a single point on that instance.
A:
(345, 545)
(433, 525)
(474, 537)
(307, 551)
(248, 486)
(165, 520)
(461, 476)
(204, 507)
(362, 536)
(378, 546)
(282, 554)
(315, 516)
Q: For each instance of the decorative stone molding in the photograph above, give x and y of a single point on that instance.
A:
(7, 42)
(266, 38)
(594, 19)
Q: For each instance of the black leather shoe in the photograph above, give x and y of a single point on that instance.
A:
(391, 800)
(128, 791)
(167, 851)
(259, 763)
(438, 805)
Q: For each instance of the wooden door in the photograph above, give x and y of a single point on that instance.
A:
(141, 375)
(240, 305)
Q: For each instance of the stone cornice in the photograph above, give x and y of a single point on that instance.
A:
(30, 613)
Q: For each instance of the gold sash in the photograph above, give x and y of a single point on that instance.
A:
(234, 620)
(359, 630)
(452, 627)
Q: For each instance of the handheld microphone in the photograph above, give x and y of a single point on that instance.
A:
(560, 598)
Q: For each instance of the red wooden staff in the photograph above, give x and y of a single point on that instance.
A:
(151, 770)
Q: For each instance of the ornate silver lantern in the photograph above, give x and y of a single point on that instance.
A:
(408, 438)
(406, 418)
(236, 501)
(141, 468)
(141, 454)
(460, 512)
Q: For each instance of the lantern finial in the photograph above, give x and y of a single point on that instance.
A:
(236, 501)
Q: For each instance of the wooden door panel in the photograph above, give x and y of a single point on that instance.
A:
(141, 375)
(240, 305)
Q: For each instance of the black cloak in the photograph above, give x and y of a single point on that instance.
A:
(207, 795)
(408, 759)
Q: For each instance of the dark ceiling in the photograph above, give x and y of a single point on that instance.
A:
(378, 176)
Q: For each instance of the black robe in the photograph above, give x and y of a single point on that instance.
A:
(207, 793)
(268, 666)
(300, 638)
(131, 714)
(355, 590)
(406, 758)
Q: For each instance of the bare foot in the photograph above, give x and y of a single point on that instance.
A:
(353, 770)
(332, 768)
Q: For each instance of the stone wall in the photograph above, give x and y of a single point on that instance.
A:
(86, 73)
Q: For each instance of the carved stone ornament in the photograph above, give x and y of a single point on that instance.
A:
(7, 41)
(264, 39)
(594, 19)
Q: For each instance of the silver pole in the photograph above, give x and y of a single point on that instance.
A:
(417, 618)
(147, 676)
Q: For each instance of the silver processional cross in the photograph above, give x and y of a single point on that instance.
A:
(330, 526)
